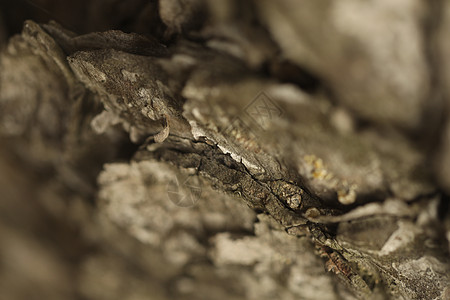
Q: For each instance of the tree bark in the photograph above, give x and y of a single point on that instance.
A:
(197, 149)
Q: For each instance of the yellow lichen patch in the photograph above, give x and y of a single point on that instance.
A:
(346, 193)
(318, 170)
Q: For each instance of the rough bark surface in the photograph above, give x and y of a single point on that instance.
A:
(200, 149)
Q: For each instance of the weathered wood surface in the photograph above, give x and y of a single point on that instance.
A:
(225, 150)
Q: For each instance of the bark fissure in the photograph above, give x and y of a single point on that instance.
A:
(242, 150)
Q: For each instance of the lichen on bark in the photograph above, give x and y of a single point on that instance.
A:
(232, 150)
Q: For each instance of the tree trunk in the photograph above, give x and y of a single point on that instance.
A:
(199, 149)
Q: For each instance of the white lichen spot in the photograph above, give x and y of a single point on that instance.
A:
(200, 93)
(196, 130)
(246, 251)
(288, 93)
(347, 194)
(400, 238)
(426, 266)
(240, 159)
(94, 72)
(342, 121)
(130, 76)
(103, 121)
(197, 115)
(294, 201)
(144, 93)
(184, 60)
(162, 135)
(149, 111)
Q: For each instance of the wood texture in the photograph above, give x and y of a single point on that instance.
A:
(197, 149)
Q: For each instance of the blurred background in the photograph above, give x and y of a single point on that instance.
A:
(365, 86)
